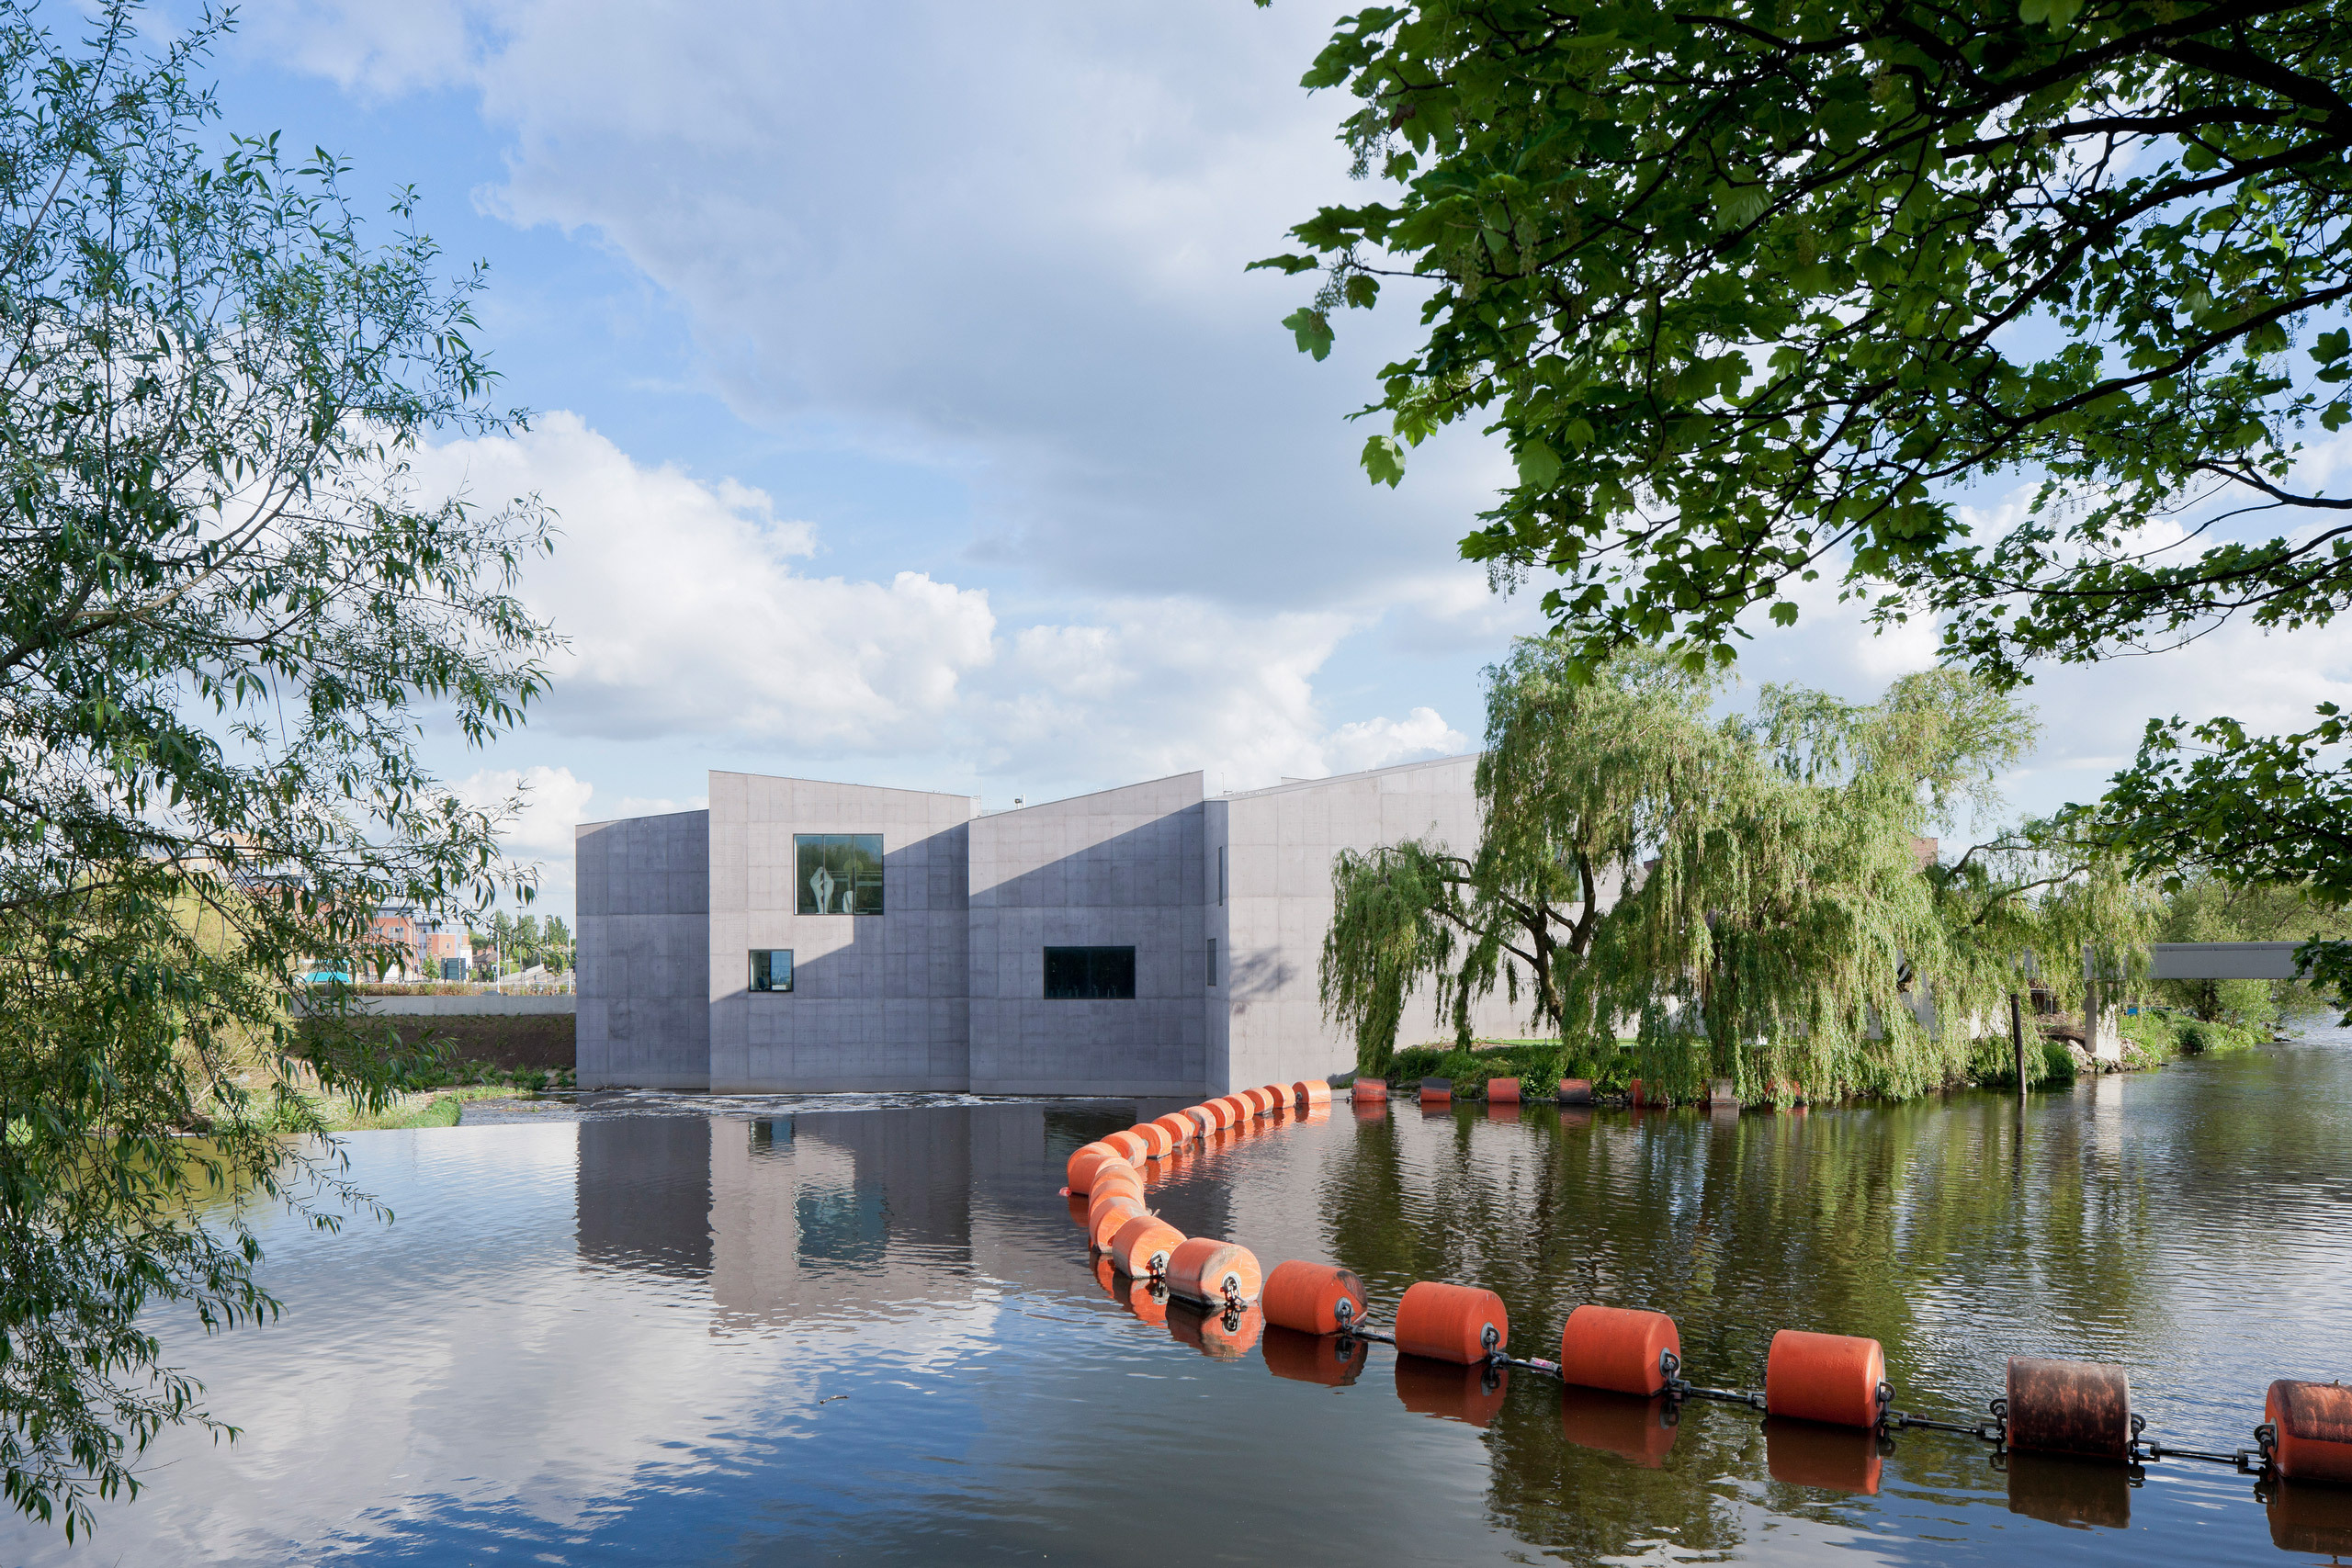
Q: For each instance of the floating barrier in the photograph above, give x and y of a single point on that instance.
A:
(1451, 1323)
(2068, 1408)
(1203, 1119)
(1310, 1092)
(1081, 1167)
(1365, 1090)
(1116, 1175)
(1621, 1350)
(1110, 1211)
(2309, 1430)
(1576, 1092)
(1180, 1129)
(1141, 1249)
(1502, 1091)
(1333, 1360)
(1313, 1298)
(1836, 1379)
(1131, 1144)
(1257, 1101)
(1437, 1092)
(1216, 1272)
(1806, 1453)
(1158, 1144)
(1640, 1430)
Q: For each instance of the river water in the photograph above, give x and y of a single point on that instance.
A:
(867, 1330)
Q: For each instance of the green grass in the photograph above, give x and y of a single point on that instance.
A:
(1538, 1064)
(2167, 1032)
(428, 1108)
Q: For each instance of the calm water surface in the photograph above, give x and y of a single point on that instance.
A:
(853, 1330)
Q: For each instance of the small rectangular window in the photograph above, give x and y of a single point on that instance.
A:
(1091, 974)
(771, 968)
(838, 874)
(1212, 961)
(1220, 875)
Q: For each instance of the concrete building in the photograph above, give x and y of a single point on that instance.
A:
(1150, 939)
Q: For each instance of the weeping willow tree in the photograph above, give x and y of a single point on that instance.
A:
(1753, 897)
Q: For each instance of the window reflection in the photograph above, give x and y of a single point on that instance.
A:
(771, 968)
(1091, 974)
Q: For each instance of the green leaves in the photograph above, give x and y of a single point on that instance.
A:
(1383, 460)
(1788, 284)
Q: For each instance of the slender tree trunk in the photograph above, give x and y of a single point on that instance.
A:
(2017, 1041)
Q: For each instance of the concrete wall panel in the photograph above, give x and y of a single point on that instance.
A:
(644, 897)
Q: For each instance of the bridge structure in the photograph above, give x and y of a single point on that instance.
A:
(2176, 961)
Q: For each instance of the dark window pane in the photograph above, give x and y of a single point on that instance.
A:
(865, 872)
(1091, 974)
(771, 968)
(837, 873)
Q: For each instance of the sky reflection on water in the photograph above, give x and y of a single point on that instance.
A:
(796, 1331)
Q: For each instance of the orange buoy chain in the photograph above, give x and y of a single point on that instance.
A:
(2080, 1409)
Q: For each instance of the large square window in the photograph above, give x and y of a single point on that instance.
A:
(1091, 974)
(771, 968)
(838, 874)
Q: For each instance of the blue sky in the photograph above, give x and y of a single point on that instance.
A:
(911, 420)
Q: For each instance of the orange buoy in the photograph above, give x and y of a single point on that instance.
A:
(1473, 1394)
(2316, 1520)
(1141, 1247)
(1313, 1298)
(1639, 1429)
(1110, 1211)
(1226, 1110)
(1131, 1146)
(2069, 1407)
(1207, 1269)
(1502, 1091)
(1180, 1129)
(1157, 1143)
(1801, 1454)
(2067, 1492)
(1277, 1097)
(1203, 1119)
(1333, 1360)
(1081, 1169)
(1451, 1323)
(1621, 1348)
(1368, 1088)
(1437, 1092)
(1634, 1094)
(2314, 1427)
(1309, 1092)
(1257, 1101)
(1220, 1333)
(1117, 1176)
(1836, 1378)
(1576, 1092)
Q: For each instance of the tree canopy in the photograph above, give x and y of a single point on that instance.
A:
(1756, 289)
(225, 615)
(1752, 897)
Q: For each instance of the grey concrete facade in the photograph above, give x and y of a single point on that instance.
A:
(1225, 901)
(643, 951)
(1118, 868)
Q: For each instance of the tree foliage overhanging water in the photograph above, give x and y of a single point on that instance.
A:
(223, 613)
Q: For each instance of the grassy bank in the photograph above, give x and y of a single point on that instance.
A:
(2166, 1032)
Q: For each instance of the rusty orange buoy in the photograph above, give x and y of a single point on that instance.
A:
(1313, 1298)
(1621, 1348)
(1437, 1092)
(1142, 1246)
(1451, 1323)
(1207, 1269)
(1839, 1379)
(1502, 1091)
(2311, 1423)
(1576, 1092)
(1332, 1360)
(2068, 1408)
(1109, 1213)
(1203, 1119)
(1368, 1089)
